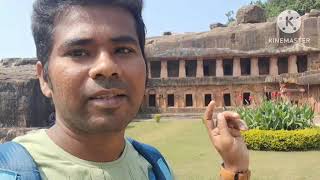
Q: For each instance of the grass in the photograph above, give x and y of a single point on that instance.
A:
(187, 148)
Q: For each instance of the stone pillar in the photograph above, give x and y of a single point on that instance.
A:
(236, 67)
(199, 67)
(158, 101)
(219, 99)
(274, 66)
(149, 69)
(176, 100)
(162, 101)
(182, 69)
(219, 68)
(181, 99)
(255, 66)
(164, 70)
(259, 98)
(293, 67)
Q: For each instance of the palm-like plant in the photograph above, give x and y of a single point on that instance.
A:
(277, 115)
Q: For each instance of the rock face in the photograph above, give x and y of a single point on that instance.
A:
(7, 134)
(314, 13)
(21, 101)
(249, 38)
(251, 14)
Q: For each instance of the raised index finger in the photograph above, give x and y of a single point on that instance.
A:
(234, 119)
(208, 115)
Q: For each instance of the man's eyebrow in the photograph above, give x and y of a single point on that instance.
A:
(124, 40)
(77, 42)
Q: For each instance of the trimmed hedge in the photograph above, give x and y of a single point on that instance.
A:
(283, 140)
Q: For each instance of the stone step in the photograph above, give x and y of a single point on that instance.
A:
(170, 116)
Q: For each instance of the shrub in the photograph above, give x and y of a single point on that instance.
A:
(157, 118)
(282, 140)
(277, 115)
(202, 120)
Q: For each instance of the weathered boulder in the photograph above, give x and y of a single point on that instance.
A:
(167, 33)
(21, 101)
(216, 25)
(251, 14)
(314, 13)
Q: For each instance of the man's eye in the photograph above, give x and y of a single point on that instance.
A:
(124, 50)
(78, 53)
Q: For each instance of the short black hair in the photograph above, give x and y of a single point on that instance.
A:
(46, 11)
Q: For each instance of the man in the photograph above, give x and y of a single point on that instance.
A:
(92, 65)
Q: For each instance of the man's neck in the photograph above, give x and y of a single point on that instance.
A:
(91, 147)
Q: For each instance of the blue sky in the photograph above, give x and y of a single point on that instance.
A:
(159, 15)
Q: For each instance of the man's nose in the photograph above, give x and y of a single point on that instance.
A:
(105, 66)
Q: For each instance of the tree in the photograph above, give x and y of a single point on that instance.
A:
(230, 16)
(275, 7)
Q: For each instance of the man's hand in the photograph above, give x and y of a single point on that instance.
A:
(224, 132)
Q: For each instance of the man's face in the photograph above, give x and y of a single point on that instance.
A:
(96, 69)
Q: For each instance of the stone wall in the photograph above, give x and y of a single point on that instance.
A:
(314, 62)
(7, 134)
(21, 101)
(257, 91)
(300, 94)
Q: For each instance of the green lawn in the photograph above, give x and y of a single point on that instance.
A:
(186, 146)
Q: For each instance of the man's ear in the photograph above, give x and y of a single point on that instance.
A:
(44, 84)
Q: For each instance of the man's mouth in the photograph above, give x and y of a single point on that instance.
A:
(108, 99)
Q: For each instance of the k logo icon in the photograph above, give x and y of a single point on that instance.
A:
(289, 21)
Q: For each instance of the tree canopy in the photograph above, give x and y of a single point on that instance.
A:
(275, 7)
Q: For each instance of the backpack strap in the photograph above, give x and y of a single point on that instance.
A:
(160, 168)
(16, 163)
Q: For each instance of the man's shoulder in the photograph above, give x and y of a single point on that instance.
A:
(33, 141)
(31, 136)
(160, 166)
(17, 161)
(144, 149)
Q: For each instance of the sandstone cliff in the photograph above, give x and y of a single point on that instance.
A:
(238, 39)
(21, 101)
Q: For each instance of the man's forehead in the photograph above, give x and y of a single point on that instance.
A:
(92, 13)
(90, 22)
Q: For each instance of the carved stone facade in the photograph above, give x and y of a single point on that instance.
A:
(237, 65)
